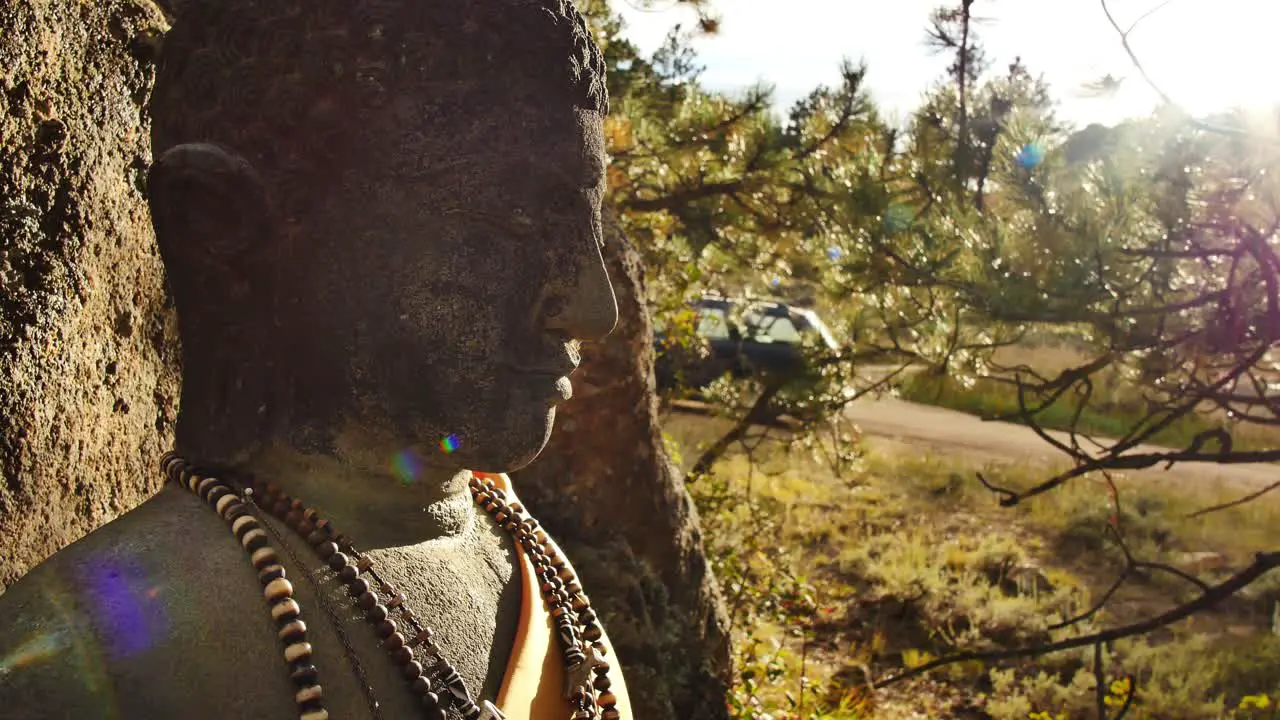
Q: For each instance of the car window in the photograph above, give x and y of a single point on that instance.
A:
(713, 324)
(772, 328)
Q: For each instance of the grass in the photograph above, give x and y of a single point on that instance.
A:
(832, 578)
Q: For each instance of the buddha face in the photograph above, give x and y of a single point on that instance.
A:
(443, 289)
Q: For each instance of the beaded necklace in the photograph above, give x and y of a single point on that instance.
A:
(409, 644)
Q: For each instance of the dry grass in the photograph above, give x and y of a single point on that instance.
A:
(906, 557)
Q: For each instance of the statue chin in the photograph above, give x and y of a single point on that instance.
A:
(509, 444)
(532, 439)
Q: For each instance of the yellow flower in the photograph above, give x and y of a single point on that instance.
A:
(1260, 701)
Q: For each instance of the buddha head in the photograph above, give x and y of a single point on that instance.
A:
(380, 222)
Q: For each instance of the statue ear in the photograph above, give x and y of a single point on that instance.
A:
(211, 216)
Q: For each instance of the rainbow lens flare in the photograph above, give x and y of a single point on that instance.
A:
(406, 466)
(34, 649)
(449, 443)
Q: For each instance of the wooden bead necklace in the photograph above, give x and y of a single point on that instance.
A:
(409, 644)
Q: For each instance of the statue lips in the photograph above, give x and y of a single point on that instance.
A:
(549, 380)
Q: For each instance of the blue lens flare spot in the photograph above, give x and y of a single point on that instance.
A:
(1030, 155)
(127, 604)
(834, 253)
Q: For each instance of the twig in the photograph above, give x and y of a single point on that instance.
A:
(1262, 564)
(1233, 503)
(1128, 698)
(1148, 565)
(1137, 64)
(1133, 462)
(1106, 597)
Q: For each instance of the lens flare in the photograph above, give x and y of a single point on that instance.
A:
(34, 649)
(99, 612)
(126, 605)
(834, 253)
(449, 443)
(1029, 155)
(406, 466)
(898, 218)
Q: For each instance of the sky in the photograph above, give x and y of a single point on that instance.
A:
(1206, 54)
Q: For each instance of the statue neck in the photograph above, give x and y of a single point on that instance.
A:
(367, 498)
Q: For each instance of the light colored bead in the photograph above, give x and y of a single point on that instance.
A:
(251, 536)
(205, 485)
(225, 502)
(263, 554)
(297, 651)
(241, 522)
(307, 694)
(297, 626)
(288, 606)
(278, 589)
(315, 715)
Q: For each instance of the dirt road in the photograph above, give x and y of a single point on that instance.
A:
(922, 426)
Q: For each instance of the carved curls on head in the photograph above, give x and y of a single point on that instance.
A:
(295, 85)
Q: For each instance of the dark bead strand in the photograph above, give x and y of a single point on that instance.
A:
(278, 591)
(355, 571)
(569, 606)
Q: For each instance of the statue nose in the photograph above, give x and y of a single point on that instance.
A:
(582, 305)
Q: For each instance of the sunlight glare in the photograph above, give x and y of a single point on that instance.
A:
(1208, 57)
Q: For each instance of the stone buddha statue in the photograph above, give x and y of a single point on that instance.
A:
(380, 225)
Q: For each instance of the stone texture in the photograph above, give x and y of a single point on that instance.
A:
(607, 490)
(88, 377)
(88, 381)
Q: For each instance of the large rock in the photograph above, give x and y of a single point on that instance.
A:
(607, 490)
(88, 382)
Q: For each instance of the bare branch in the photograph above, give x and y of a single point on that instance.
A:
(1261, 565)
(1234, 503)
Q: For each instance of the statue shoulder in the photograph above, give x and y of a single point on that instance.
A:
(120, 623)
